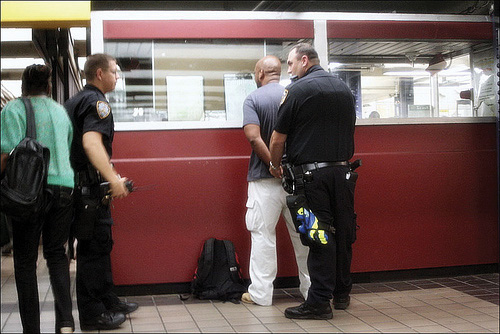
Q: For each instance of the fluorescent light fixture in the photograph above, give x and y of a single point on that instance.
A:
(79, 34)
(81, 62)
(407, 74)
(16, 35)
(404, 65)
(14, 86)
(26, 34)
(20, 63)
(394, 65)
(455, 72)
(332, 66)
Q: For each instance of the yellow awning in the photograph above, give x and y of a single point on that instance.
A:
(45, 14)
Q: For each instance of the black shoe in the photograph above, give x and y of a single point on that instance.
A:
(340, 303)
(124, 307)
(107, 320)
(306, 311)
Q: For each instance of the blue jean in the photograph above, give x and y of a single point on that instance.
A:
(54, 226)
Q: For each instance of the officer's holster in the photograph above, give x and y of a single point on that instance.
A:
(294, 203)
(294, 184)
(87, 203)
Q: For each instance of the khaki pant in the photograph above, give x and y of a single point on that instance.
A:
(266, 202)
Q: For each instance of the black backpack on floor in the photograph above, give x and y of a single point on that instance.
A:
(218, 274)
(24, 182)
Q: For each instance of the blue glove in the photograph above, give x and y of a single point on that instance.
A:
(309, 226)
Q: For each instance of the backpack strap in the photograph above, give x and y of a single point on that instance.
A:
(208, 259)
(231, 260)
(30, 118)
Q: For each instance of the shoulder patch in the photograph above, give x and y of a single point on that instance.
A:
(283, 98)
(103, 109)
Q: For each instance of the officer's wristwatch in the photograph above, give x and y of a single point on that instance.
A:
(272, 166)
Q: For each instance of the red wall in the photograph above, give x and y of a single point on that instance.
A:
(426, 197)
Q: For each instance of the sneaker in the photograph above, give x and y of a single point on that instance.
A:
(306, 311)
(247, 299)
(63, 330)
(124, 307)
(340, 303)
(107, 320)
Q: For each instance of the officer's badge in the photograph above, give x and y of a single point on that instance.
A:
(103, 109)
(283, 98)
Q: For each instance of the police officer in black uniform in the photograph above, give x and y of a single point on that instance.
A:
(98, 306)
(316, 122)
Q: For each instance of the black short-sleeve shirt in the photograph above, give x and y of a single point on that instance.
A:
(317, 113)
(89, 110)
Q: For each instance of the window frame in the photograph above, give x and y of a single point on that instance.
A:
(256, 25)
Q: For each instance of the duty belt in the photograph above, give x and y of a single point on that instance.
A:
(87, 177)
(302, 169)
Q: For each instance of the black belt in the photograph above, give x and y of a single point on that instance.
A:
(87, 177)
(301, 169)
(60, 189)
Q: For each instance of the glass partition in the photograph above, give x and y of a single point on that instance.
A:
(201, 83)
(404, 84)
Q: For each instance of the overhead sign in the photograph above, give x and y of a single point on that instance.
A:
(45, 14)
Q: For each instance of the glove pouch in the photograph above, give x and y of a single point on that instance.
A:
(314, 231)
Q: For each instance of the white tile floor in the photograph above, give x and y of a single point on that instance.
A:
(463, 304)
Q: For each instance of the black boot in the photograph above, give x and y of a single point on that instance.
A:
(124, 307)
(306, 311)
(341, 303)
(107, 320)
